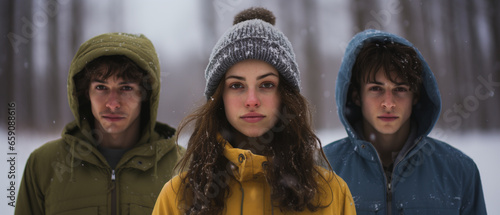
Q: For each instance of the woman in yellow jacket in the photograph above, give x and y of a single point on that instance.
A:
(253, 150)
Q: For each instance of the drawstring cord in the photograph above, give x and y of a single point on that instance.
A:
(157, 152)
(72, 162)
(242, 197)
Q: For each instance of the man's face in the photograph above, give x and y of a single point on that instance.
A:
(386, 106)
(116, 105)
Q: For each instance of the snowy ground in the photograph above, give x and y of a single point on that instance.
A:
(482, 147)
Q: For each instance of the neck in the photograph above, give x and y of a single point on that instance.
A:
(387, 144)
(122, 140)
(254, 144)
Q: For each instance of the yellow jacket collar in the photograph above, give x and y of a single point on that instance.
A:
(248, 165)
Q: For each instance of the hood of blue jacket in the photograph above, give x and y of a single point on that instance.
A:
(425, 112)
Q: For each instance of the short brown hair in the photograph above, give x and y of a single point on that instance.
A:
(394, 58)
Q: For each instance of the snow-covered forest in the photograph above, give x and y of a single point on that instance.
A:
(459, 39)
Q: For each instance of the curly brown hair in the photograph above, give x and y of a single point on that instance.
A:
(294, 151)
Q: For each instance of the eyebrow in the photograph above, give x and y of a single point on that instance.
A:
(258, 78)
(380, 83)
(105, 82)
(265, 75)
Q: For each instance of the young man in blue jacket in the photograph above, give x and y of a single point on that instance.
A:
(388, 102)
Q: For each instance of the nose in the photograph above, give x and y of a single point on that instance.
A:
(113, 102)
(388, 102)
(252, 99)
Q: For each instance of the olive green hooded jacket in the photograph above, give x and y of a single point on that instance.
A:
(71, 176)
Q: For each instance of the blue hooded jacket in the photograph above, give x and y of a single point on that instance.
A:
(431, 178)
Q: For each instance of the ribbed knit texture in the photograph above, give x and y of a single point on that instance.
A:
(252, 39)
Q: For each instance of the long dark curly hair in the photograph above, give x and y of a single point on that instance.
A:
(293, 157)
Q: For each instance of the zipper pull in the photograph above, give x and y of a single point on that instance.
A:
(389, 192)
(113, 176)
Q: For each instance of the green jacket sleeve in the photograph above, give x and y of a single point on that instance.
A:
(30, 197)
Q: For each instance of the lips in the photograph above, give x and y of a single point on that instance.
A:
(113, 118)
(387, 117)
(252, 117)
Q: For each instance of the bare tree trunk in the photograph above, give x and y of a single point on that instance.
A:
(361, 15)
(494, 7)
(493, 17)
(477, 64)
(67, 22)
(463, 50)
(431, 43)
(22, 31)
(450, 60)
(415, 28)
(52, 71)
(209, 16)
(76, 30)
(287, 19)
(6, 59)
(313, 62)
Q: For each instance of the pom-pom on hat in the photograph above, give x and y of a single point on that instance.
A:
(253, 36)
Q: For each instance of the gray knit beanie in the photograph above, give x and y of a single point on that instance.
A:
(252, 39)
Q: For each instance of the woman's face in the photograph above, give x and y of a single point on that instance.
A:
(251, 98)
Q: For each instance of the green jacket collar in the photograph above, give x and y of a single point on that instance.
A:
(143, 156)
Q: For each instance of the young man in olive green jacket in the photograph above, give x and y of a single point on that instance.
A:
(114, 158)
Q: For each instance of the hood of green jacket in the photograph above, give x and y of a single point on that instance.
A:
(137, 48)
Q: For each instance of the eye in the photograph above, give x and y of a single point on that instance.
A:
(375, 88)
(401, 89)
(127, 88)
(100, 87)
(236, 86)
(267, 85)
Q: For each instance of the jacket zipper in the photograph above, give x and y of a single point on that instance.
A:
(386, 183)
(389, 198)
(113, 192)
(388, 188)
(389, 184)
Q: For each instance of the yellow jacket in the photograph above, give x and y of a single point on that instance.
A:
(254, 192)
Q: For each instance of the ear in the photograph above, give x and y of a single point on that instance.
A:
(356, 98)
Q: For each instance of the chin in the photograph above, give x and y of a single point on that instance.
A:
(387, 131)
(253, 133)
(113, 130)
